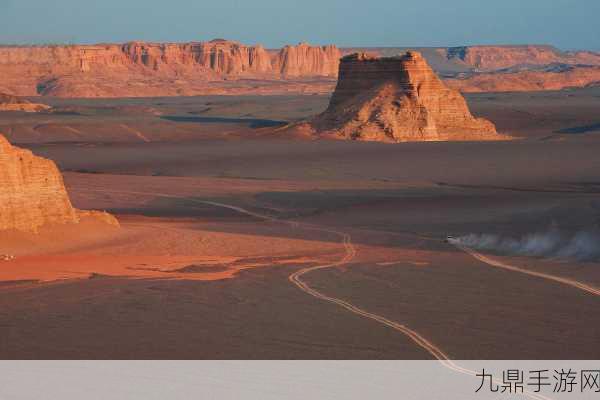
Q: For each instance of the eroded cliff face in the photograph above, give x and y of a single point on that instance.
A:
(397, 99)
(33, 193)
(139, 69)
(305, 60)
(142, 69)
(217, 56)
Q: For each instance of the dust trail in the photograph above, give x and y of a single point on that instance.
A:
(583, 245)
(499, 264)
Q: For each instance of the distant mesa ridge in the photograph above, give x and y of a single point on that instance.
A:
(57, 70)
(489, 58)
(222, 66)
(397, 99)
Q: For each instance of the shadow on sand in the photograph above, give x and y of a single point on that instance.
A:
(251, 122)
(581, 129)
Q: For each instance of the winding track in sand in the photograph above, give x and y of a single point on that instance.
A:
(296, 277)
(349, 254)
(499, 264)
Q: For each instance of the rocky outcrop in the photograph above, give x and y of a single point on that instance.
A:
(397, 99)
(14, 103)
(142, 69)
(33, 193)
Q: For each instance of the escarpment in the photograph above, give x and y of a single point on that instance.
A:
(154, 69)
(306, 60)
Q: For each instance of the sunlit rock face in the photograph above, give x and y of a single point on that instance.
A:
(32, 192)
(142, 68)
(305, 60)
(397, 99)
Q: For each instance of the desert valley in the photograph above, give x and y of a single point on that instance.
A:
(216, 200)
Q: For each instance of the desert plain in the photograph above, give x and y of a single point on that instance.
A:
(220, 210)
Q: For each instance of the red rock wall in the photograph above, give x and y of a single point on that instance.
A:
(33, 193)
(220, 56)
(305, 60)
(53, 70)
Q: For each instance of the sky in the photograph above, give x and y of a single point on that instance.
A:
(567, 24)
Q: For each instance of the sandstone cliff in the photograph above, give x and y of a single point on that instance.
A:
(33, 193)
(153, 69)
(397, 99)
(305, 60)
(140, 69)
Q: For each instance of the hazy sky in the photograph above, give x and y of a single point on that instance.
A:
(567, 24)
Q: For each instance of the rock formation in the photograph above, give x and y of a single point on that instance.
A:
(14, 103)
(218, 56)
(142, 69)
(397, 99)
(33, 193)
(507, 68)
(305, 60)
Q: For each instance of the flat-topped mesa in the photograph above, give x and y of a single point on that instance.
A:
(397, 99)
(33, 193)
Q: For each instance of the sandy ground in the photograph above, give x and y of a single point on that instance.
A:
(218, 219)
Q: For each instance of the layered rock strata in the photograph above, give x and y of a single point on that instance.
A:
(92, 70)
(33, 193)
(397, 99)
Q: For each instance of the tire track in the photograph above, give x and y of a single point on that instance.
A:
(349, 254)
(296, 277)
